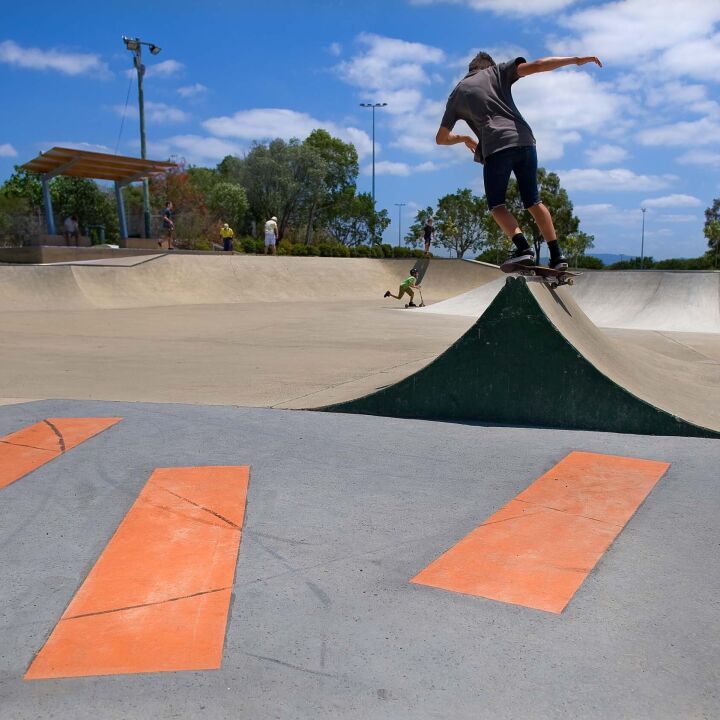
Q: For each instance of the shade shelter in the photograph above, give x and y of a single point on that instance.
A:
(94, 166)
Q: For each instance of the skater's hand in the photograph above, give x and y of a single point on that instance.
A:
(470, 143)
(589, 59)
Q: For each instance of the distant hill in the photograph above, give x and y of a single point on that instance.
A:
(609, 258)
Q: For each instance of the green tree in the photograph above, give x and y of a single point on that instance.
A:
(712, 233)
(84, 198)
(577, 244)
(228, 202)
(26, 185)
(462, 221)
(354, 218)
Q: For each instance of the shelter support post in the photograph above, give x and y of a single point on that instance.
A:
(122, 219)
(47, 202)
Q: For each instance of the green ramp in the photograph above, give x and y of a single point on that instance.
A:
(531, 359)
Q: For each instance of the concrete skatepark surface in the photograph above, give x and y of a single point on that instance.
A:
(343, 510)
(323, 621)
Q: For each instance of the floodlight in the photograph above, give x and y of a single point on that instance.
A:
(131, 44)
(154, 49)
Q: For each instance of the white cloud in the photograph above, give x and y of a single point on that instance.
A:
(386, 167)
(705, 131)
(266, 123)
(606, 154)
(65, 62)
(700, 157)
(617, 179)
(195, 149)
(192, 90)
(631, 30)
(155, 112)
(335, 49)
(90, 147)
(166, 68)
(679, 218)
(506, 7)
(579, 104)
(390, 70)
(697, 58)
(7, 150)
(676, 200)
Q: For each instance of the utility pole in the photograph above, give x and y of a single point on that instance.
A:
(642, 240)
(399, 206)
(134, 45)
(373, 106)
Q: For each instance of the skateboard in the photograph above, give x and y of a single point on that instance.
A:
(554, 278)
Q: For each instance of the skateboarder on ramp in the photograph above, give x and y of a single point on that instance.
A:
(505, 143)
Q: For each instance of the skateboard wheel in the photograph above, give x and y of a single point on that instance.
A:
(570, 282)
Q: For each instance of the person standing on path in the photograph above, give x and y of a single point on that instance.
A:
(505, 143)
(227, 234)
(168, 226)
(71, 229)
(428, 235)
(271, 234)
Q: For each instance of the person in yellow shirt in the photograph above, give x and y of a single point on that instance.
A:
(227, 234)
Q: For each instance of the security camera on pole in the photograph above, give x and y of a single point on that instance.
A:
(134, 45)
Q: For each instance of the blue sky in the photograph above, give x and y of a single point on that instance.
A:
(642, 131)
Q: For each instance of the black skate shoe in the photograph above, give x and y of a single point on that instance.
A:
(558, 263)
(522, 257)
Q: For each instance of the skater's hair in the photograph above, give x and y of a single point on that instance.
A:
(481, 61)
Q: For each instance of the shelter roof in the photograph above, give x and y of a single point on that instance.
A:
(97, 166)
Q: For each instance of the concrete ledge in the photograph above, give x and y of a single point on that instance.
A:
(39, 254)
(57, 241)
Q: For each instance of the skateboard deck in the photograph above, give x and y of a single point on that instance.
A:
(552, 277)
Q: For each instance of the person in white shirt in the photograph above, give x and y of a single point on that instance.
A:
(71, 229)
(271, 234)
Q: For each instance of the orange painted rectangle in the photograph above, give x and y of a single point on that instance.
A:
(26, 450)
(538, 549)
(158, 596)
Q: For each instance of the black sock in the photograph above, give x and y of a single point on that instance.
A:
(520, 242)
(554, 249)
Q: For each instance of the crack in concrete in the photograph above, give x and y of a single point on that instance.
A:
(567, 512)
(31, 447)
(59, 435)
(142, 605)
(202, 507)
(290, 665)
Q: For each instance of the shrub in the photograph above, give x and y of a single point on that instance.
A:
(361, 251)
(589, 262)
(387, 250)
(251, 245)
(299, 250)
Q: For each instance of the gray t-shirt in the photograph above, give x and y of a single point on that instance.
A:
(484, 101)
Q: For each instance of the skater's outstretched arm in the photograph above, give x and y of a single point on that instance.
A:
(553, 63)
(445, 137)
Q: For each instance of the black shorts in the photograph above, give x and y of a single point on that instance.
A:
(522, 161)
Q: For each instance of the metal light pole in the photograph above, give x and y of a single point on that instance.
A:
(373, 106)
(134, 45)
(399, 206)
(642, 240)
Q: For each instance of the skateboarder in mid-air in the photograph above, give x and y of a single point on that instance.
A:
(406, 286)
(505, 143)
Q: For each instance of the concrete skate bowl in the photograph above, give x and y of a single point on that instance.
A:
(535, 358)
(192, 279)
(663, 301)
